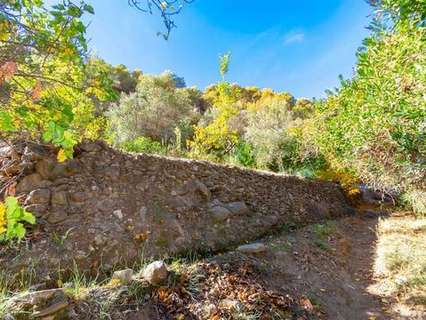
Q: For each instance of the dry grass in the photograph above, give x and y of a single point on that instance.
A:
(401, 260)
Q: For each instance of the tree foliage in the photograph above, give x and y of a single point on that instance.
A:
(374, 125)
(397, 10)
(155, 110)
(44, 91)
(224, 61)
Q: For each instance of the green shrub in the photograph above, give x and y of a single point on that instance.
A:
(374, 125)
(416, 200)
(267, 132)
(243, 154)
(154, 110)
(144, 145)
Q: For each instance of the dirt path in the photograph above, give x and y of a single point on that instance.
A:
(330, 264)
(321, 271)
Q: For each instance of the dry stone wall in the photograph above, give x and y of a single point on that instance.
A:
(105, 207)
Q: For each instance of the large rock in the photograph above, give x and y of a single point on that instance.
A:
(60, 198)
(38, 305)
(196, 187)
(220, 213)
(57, 216)
(45, 167)
(252, 248)
(29, 183)
(37, 209)
(91, 146)
(39, 196)
(155, 273)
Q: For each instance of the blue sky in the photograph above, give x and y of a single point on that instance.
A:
(295, 46)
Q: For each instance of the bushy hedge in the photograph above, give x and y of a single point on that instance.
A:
(375, 125)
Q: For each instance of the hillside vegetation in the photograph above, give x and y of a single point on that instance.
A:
(79, 192)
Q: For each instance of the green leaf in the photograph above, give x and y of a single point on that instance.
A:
(12, 209)
(74, 11)
(88, 8)
(15, 215)
(6, 122)
(54, 133)
(11, 229)
(28, 217)
(68, 140)
(19, 231)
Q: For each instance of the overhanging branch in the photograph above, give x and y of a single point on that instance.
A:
(167, 9)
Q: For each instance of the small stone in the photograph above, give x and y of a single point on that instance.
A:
(73, 166)
(125, 276)
(118, 214)
(44, 168)
(196, 186)
(105, 205)
(78, 197)
(214, 203)
(253, 248)
(220, 213)
(60, 198)
(90, 147)
(155, 273)
(39, 196)
(60, 171)
(37, 209)
(57, 217)
(238, 208)
(29, 183)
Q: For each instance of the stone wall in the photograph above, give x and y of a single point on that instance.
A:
(105, 207)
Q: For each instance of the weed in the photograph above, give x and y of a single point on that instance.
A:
(79, 282)
(4, 292)
(323, 231)
(322, 245)
(137, 291)
(401, 257)
(59, 240)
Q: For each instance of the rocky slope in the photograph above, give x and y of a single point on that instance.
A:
(105, 208)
